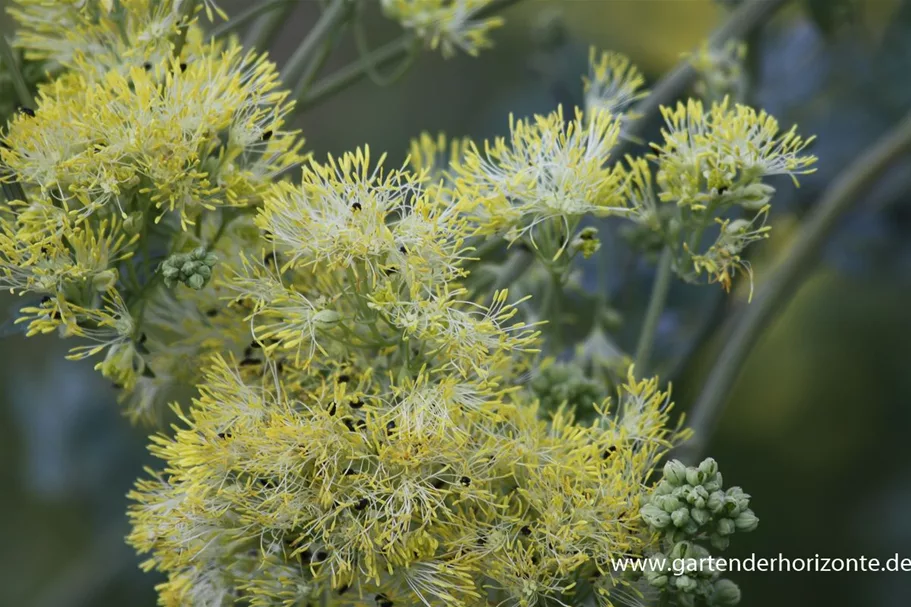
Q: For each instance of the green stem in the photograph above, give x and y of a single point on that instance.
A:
(186, 18)
(9, 58)
(254, 11)
(304, 54)
(794, 265)
(656, 304)
(353, 72)
(385, 54)
(264, 29)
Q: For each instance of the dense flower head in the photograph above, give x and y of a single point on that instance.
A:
(449, 25)
(613, 83)
(419, 489)
(103, 35)
(710, 163)
(546, 175)
(184, 137)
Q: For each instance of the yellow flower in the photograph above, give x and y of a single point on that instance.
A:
(613, 84)
(547, 174)
(449, 25)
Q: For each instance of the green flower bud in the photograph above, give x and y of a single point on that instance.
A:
(194, 269)
(741, 499)
(697, 496)
(700, 516)
(686, 600)
(746, 521)
(709, 467)
(680, 517)
(681, 550)
(719, 542)
(733, 228)
(662, 488)
(754, 196)
(586, 242)
(105, 281)
(326, 318)
(725, 593)
(726, 527)
(655, 516)
(668, 503)
(715, 502)
(685, 583)
(132, 225)
(196, 282)
(675, 472)
(694, 477)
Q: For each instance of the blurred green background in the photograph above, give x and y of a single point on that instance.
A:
(816, 428)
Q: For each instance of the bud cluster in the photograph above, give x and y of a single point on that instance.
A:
(193, 269)
(689, 505)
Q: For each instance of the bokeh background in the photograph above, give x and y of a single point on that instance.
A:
(817, 428)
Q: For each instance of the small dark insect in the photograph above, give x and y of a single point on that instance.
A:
(354, 424)
(356, 206)
(267, 135)
(356, 404)
(147, 66)
(465, 481)
(331, 408)
(361, 504)
(391, 270)
(224, 435)
(608, 452)
(26, 110)
(56, 315)
(403, 250)
(45, 299)
(342, 379)
(390, 426)
(722, 190)
(183, 67)
(525, 530)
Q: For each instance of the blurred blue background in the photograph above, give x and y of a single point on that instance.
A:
(816, 428)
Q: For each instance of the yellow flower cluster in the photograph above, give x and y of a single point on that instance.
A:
(713, 160)
(120, 156)
(366, 431)
(450, 25)
(428, 488)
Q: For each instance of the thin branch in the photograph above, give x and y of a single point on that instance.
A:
(266, 27)
(388, 53)
(748, 17)
(781, 285)
(306, 52)
(241, 19)
(8, 57)
(656, 303)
